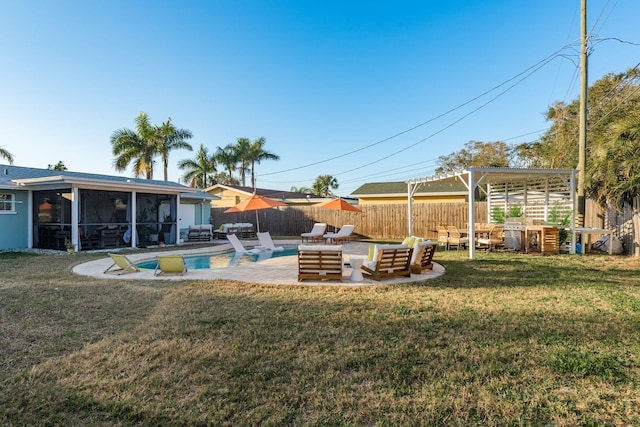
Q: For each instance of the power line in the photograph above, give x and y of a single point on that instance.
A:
(527, 71)
(549, 59)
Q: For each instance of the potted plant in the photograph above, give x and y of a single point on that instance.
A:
(71, 248)
(561, 217)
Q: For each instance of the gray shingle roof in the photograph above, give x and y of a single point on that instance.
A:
(10, 173)
(274, 194)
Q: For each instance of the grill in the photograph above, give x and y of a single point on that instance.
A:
(514, 235)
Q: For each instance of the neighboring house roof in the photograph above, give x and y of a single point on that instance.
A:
(18, 177)
(396, 189)
(199, 195)
(272, 194)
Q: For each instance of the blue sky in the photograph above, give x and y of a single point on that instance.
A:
(321, 81)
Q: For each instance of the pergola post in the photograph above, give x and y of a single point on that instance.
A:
(409, 208)
(471, 186)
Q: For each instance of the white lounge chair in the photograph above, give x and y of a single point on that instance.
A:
(344, 234)
(237, 245)
(316, 232)
(267, 243)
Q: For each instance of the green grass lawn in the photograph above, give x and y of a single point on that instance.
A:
(503, 340)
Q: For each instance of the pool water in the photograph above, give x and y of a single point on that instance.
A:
(216, 260)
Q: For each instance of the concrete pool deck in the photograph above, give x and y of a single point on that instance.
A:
(280, 270)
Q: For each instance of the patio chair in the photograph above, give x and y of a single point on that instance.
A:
(316, 232)
(492, 239)
(422, 256)
(267, 243)
(443, 236)
(170, 264)
(344, 234)
(456, 238)
(388, 261)
(319, 262)
(123, 264)
(239, 248)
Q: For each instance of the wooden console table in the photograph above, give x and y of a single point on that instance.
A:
(547, 238)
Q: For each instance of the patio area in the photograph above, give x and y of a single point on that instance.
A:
(281, 270)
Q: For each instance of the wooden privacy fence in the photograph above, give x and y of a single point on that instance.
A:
(390, 221)
(375, 222)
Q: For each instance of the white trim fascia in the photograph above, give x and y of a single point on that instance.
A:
(84, 183)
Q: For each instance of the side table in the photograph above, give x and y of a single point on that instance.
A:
(356, 274)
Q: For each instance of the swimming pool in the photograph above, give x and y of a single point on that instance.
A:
(216, 260)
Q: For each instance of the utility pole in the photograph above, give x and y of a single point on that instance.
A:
(582, 152)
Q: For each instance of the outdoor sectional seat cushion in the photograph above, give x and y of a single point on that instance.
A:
(372, 263)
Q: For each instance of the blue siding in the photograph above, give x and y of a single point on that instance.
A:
(14, 227)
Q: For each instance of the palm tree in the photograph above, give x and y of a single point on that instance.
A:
(256, 154)
(242, 151)
(6, 155)
(301, 189)
(615, 171)
(199, 170)
(139, 147)
(170, 138)
(227, 156)
(323, 185)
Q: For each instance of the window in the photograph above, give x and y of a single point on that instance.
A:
(7, 203)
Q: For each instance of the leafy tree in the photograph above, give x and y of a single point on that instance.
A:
(199, 171)
(137, 147)
(323, 185)
(224, 178)
(611, 98)
(227, 156)
(4, 154)
(477, 154)
(615, 170)
(257, 154)
(60, 166)
(169, 138)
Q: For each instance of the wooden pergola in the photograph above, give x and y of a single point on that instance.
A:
(536, 191)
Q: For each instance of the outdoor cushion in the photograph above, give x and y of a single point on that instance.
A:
(376, 249)
(409, 241)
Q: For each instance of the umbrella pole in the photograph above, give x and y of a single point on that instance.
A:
(257, 222)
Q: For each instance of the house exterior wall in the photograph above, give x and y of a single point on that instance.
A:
(15, 225)
(228, 197)
(389, 200)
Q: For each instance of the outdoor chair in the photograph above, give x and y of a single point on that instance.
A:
(456, 238)
(422, 257)
(443, 236)
(239, 247)
(344, 234)
(388, 261)
(170, 264)
(267, 243)
(316, 232)
(123, 265)
(492, 239)
(319, 262)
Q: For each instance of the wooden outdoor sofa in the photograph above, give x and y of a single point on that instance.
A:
(422, 257)
(198, 233)
(388, 261)
(319, 262)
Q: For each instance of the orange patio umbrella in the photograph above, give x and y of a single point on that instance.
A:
(255, 203)
(339, 204)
